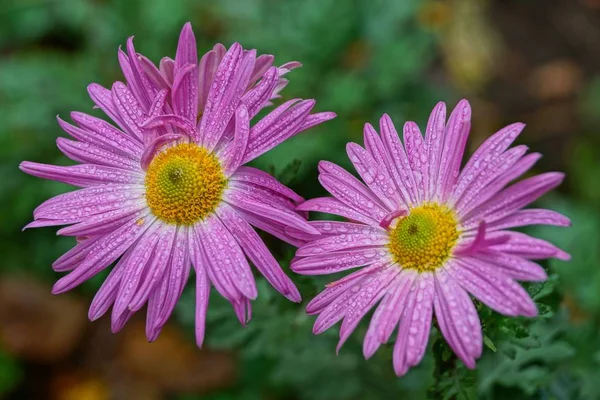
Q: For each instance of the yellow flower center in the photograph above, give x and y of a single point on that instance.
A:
(184, 184)
(424, 239)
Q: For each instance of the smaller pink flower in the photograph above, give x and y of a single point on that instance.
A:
(426, 235)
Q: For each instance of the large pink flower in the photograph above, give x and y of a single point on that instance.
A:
(426, 234)
(168, 189)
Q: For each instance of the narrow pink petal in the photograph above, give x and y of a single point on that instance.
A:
(329, 168)
(130, 110)
(338, 261)
(83, 175)
(226, 257)
(268, 209)
(75, 256)
(100, 224)
(335, 207)
(336, 309)
(316, 119)
(138, 261)
(257, 252)
(342, 242)
(257, 97)
(455, 140)
(202, 296)
(234, 153)
(263, 63)
(492, 287)
(267, 225)
(185, 98)
(349, 195)
(140, 86)
(381, 156)
(80, 204)
(528, 217)
(89, 153)
(392, 308)
(529, 247)
(513, 198)
(457, 319)
(152, 73)
(493, 175)
(417, 158)
(332, 228)
(167, 69)
(485, 157)
(364, 301)
(206, 73)
(102, 254)
(155, 303)
(402, 175)
(264, 137)
(156, 270)
(335, 289)
(376, 177)
(103, 98)
(434, 139)
(100, 133)
(106, 295)
(263, 179)
(513, 266)
(229, 84)
(178, 277)
(415, 325)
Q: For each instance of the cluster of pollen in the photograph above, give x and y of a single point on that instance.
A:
(184, 184)
(424, 240)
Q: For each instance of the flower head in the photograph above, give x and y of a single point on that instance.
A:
(167, 189)
(426, 235)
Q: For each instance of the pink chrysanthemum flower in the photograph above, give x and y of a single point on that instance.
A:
(427, 234)
(168, 189)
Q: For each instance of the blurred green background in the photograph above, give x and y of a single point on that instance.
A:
(535, 61)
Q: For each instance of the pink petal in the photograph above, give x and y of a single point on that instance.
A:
(526, 246)
(82, 175)
(353, 198)
(434, 139)
(102, 254)
(457, 319)
(257, 252)
(530, 217)
(376, 178)
(185, 95)
(490, 286)
(416, 154)
(234, 152)
(338, 261)
(334, 206)
(257, 177)
(364, 300)
(513, 266)
(485, 156)
(455, 139)
(401, 172)
(283, 123)
(226, 258)
(513, 198)
(89, 153)
(415, 324)
(342, 242)
(267, 208)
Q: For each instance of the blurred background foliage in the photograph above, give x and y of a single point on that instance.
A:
(535, 61)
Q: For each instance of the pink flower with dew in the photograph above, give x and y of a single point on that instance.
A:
(426, 235)
(168, 189)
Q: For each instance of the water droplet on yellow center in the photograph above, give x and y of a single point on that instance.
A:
(184, 184)
(424, 239)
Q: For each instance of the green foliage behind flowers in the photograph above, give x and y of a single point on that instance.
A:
(361, 58)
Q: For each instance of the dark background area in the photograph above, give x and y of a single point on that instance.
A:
(534, 61)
